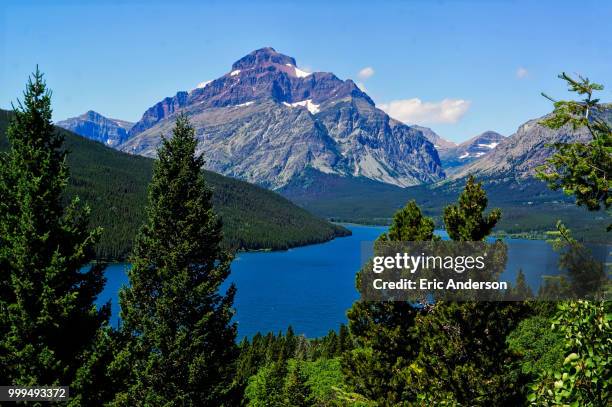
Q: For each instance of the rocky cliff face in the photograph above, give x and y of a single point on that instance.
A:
(455, 158)
(94, 126)
(441, 144)
(267, 121)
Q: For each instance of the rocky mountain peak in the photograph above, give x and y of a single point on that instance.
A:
(91, 115)
(456, 157)
(267, 121)
(262, 75)
(95, 126)
(261, 58)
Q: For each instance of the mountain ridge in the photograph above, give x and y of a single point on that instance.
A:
(267, 120)
(97, 127)
(455, 158)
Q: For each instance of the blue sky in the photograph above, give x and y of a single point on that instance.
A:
(459, 67)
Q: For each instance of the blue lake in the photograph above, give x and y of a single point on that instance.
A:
(312, 287)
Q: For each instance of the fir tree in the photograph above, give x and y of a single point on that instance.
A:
(296, 389)
(409, 224)
(581, 169)
(463, 356)
(382, 331)
(466, 221)
(182, 348)
(521, 290)
(48, 319)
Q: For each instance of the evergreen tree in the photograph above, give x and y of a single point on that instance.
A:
(464, 357)
(582, 169)
(521, 290)
(296, 390)
(266, 388)
(383, 331)
(182, 348)
(465, 221)
(48, 319)
(344, 339)
(409, 224)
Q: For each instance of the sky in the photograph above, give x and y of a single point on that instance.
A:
(460, 67)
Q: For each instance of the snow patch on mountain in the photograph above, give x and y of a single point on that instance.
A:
(298, 72)
(202, 85)
(491, 146)
(312, 108)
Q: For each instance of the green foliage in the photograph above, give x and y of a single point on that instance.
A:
(382, 331)
(297, 383)
(582, 170)
(49, 324)
(296, 392)
(521, 290)
(181, 344)
(409, 224)
(538, 348)
(114, 185)
(263, 350)
(529, 208)
(465, 221)
(463, 357)
(582, 275)
(266, 387)
(267, 362)
(584, 377)
(324, 376)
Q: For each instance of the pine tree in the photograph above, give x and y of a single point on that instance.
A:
(409, 224)
(48, 319)
(463, 356)
(182, 348)
(521, 290)
(581, 169)
(382, 332)
(296, 390)
(465, 221)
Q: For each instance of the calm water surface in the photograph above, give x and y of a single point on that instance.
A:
(312, 287)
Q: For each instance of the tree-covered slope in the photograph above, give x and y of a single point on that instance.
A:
(114, 185)
(528, 206)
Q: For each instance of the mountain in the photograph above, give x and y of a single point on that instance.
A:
(439, 143)
(517, 156)
(457, 157)
(267, 121)
(114, 185)
(94, 126)
(506, 170)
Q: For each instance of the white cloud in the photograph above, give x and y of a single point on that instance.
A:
(415, 111)
(522, 73)
(362, 86)
(366, 73)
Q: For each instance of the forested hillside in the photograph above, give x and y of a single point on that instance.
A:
(528, 206)
(114, 185)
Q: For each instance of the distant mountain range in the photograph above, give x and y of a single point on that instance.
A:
(459, 156)
(454, 156)
(518, 155)
(321, 142)
(94, 126)
(267, 121)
